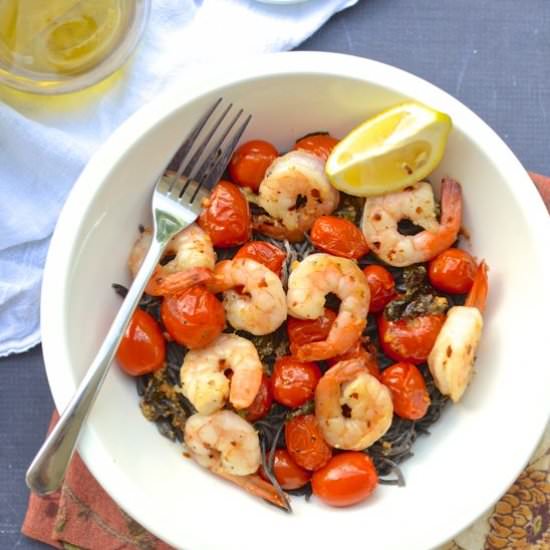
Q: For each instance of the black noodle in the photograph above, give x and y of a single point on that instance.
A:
(163, 403)
(268, 470)
(150, 304)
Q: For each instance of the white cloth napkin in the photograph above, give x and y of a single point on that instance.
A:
(46, 141)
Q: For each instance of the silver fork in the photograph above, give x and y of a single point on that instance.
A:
(177, 198)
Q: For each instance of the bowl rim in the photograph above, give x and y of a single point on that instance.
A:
(112, 152)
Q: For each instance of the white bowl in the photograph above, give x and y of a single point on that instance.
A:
(478, 447)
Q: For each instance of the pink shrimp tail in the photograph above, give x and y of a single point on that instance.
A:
(274, 228)
(433, 243)
(338, 342)
(258, 487)
(477, 297)
(451, 204)
(221, 279)
(162, 285)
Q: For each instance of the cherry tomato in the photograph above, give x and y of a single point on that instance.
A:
(226, 216)
(358, 351)
(408, 390)
(250, 161)
(320, 144)
(293, 382)
(382, 287)
(305, 443)
(142, 349)
(264, 253)
(193, 318)
(287, 472)
(409, 339)
(347, 479)
(305, 331)
(452, 271)
(262, 402)
(339, 237)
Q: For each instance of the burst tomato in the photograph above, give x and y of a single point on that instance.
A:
(293, 382)
(452, 271)
(338, 237)
(250, 161)
(305, 443)
(320, 144)
(142, 349)
(408, 390)
(305, 331)
(409, 339)
(262, 402)
(381, 285)
(193, 318)
(226, 216)
(287, 472)
(264, 253)
(347, 479)
(358, 351)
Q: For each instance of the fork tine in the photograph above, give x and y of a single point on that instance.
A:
(214, 154)
(213, 168)
(177, 160)
(211, 178)
(200, 149)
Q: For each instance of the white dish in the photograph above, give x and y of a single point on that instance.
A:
(282, 2)
(475, 451)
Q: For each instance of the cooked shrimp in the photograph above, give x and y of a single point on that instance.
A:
(223, 441)
(294, 192)
(204, 374)
(451, 360)
(192, 250)
(382, 214)
(253, 296)
(229, 446)
(308, 285)
(352, 407)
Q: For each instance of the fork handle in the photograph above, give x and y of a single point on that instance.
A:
(47, 470)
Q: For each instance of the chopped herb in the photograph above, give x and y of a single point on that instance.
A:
(417, 297)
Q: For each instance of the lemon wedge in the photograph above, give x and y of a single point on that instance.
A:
(390, 151)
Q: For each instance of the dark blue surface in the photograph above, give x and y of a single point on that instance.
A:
(493, 55)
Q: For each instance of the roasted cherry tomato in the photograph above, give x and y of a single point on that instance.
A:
(262, 402)
(320, 144)
(409, 339)
(381, 285)
(452, 271)
(408, 390)
(142, 349)
(339, 237)
(250, 161)
(305, 331)
(226, 216)
(305, 443)
(358, 351)
(293, 382)
(264, 253)
(193, 317)
(347, 479)
(287, 472)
